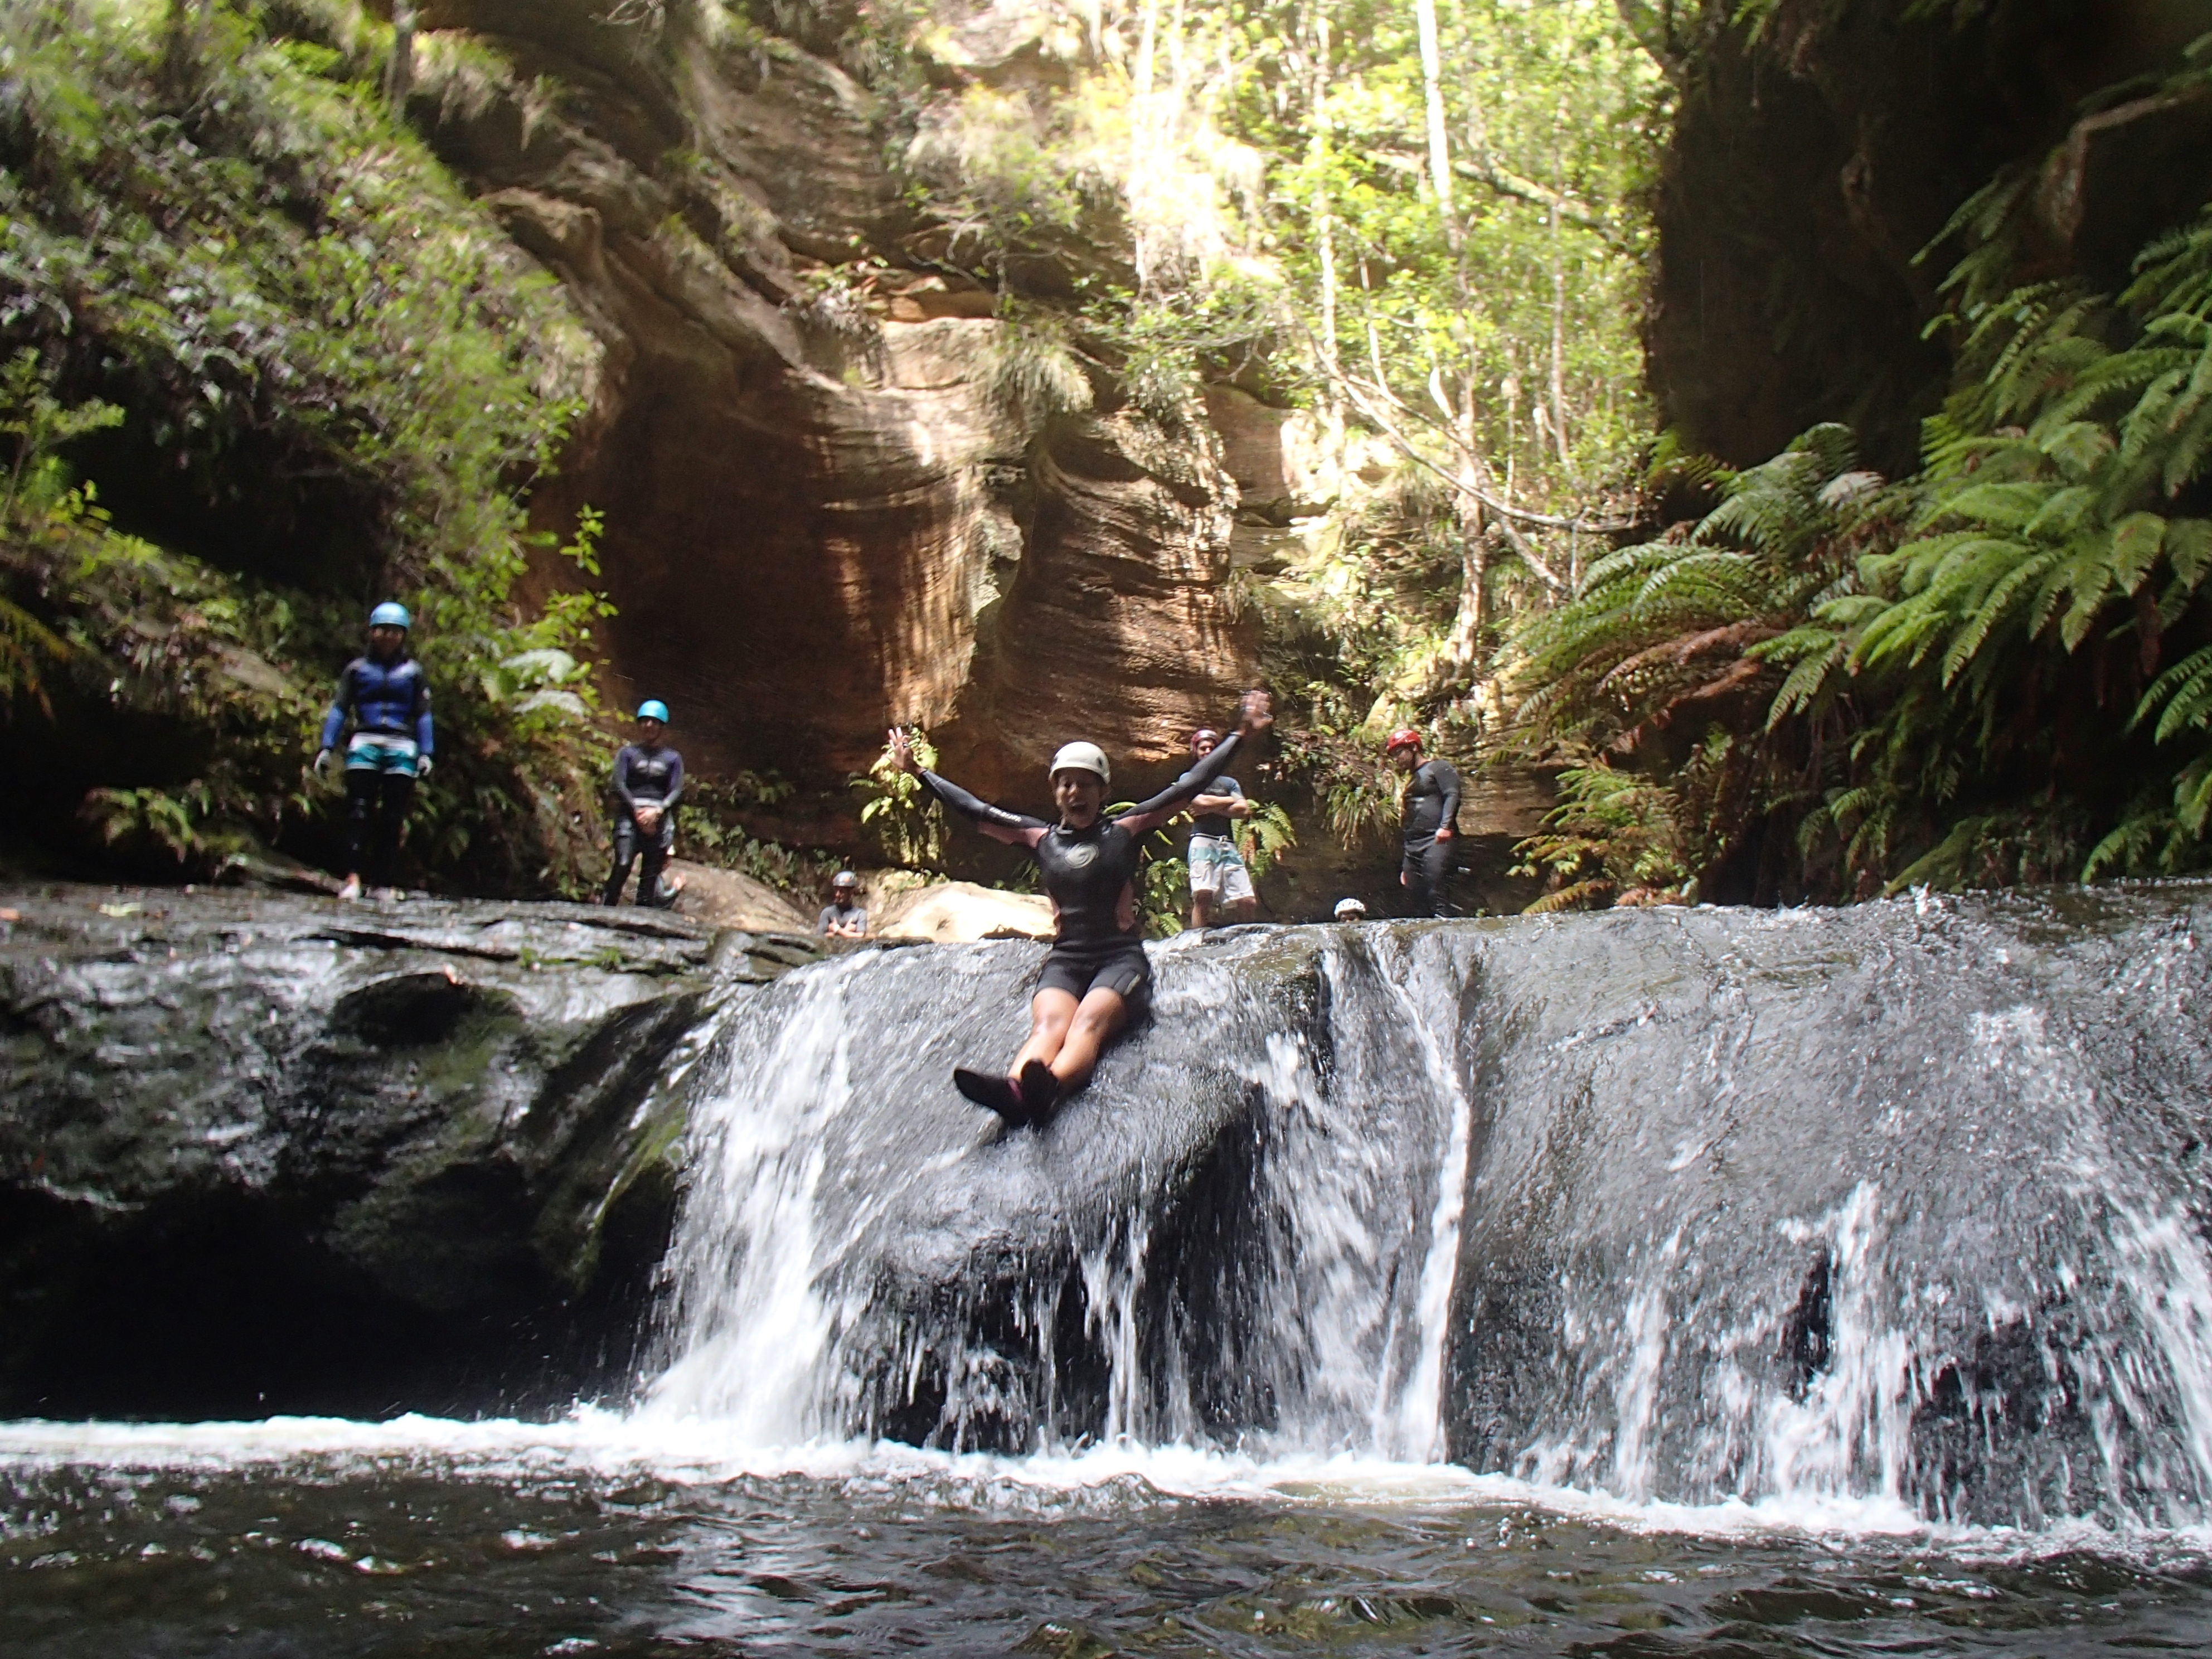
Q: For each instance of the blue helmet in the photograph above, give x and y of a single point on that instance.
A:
(653, 709)
(390, 614)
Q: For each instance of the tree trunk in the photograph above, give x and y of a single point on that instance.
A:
(400, 71)
(178, 30)
(1559, 350)
(1432, 72)
(1324, 231)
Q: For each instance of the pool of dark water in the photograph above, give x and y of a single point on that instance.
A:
(398, 1556)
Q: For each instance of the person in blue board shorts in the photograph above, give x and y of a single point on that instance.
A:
(387, 701)
(1221, 886)
(648, 777)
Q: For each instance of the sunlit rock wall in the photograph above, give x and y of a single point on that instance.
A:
(820, 519)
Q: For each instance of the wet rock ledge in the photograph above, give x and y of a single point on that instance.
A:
(263, 1153)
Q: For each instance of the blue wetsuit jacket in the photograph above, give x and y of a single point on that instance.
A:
(390, 699)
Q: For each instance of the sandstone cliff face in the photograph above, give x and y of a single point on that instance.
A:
(821, 519)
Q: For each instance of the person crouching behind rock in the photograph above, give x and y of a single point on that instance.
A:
(1220, 886)
(648, 778)
(388, 702)
(1097, 978)
(843, 917)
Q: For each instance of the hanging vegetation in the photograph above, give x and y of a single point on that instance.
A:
(1996, 669)
(297, 372)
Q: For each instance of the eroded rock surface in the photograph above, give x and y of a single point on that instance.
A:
(263, 1154)
(821, 516)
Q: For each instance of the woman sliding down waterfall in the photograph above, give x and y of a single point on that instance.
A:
(1097, 978)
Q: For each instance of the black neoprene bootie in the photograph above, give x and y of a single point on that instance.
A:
(990, 1089)
(1040, 1091)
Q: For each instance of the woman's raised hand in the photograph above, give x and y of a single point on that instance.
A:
(1255, 714)
(901, 747)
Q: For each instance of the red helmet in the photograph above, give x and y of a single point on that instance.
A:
(1205, 734)
(1404, 738)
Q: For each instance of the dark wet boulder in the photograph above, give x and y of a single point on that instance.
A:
(263, 1153)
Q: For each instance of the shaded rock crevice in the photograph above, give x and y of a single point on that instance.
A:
(1812, 165)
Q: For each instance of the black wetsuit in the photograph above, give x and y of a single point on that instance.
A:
(1431, 803)
(1090, 877)
(644, 777)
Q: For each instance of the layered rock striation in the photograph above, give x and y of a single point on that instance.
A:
(826, 512)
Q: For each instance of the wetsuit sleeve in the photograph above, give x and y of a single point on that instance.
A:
(675, 779)
(621, 778)
(1448, 782)
(1150, 814)
(334, 722)
(1015, 829)
(422, 733)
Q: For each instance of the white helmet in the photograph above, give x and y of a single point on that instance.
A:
(1350, 910)
(1083, 757)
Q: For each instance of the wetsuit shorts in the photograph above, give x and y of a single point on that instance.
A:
(1218, 868)
(1118, 965)
(381, 751)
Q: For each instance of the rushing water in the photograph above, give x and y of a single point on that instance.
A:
(1826, 1283)
(428, 1538)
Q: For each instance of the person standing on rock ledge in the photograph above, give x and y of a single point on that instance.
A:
(1218, 875)
(648, 778)
(1430, 825)
(1097, 978)
(389, 702)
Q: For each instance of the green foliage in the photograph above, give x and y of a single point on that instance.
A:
(711, 828)
(1356, 790)
(222, 232)
(1998, 670)
(1718, 612)
(40, 424)
(168, 820)
(1265, 837)
(1614, 837)
(1165, 903)
(907, 819)
(1035, 373)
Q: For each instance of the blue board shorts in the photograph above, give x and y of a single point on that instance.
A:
(1216, 867)
(382, 751)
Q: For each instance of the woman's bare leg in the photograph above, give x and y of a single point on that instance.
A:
(1099, 1016)
(1051, 1013)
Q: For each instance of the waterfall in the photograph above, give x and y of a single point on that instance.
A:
(1901, 1209)
(1243, 1232)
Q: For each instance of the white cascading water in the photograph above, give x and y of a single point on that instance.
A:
(776, 1323)
(1420, 1194)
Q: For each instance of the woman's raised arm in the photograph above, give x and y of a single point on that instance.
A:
(1015, 829)
(1255, 716)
